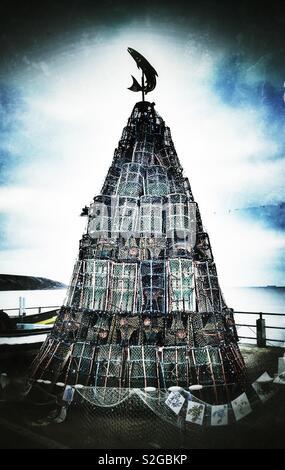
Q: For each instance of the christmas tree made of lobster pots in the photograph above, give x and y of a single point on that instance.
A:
(144, 307)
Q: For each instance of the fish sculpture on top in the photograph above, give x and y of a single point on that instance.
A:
(149, 74)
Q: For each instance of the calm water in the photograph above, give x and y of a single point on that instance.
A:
(258, 299)
(250, 299)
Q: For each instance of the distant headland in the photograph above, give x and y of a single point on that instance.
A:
(16, 282)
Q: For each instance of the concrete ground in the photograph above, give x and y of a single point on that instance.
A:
(90, 427)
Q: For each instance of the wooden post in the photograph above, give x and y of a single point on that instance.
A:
(261, 332)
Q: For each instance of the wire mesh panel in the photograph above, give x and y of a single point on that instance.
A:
(51, 360)
(180, 218)
(111, 181)
(87, 288)
(153, 286)
(101, 282)
(209, 298)
(104, 248)
(95, 284)
(176, 184)
(167, 137)
(143, 369)
(127, 135)
(168, 158)
(181, 285)
(131, 180)
(213, 328)
(108, 368)
(123, 288)
(129, 249)
(74, 289)
(156, 181)
(203, 251)
(153, 247)
(174, 366)
(81, 363)
(99, 223)
(143, 152)
(124, 216)
(151, 216)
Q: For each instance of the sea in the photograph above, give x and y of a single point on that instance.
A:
(270, 299)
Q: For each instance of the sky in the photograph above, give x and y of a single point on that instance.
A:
(64, 73)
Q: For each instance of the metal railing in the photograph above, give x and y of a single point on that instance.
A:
(36, 309)
(260, 324)
(261, 327)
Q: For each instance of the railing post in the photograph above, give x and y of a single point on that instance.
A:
(260, 332)
(21, 310)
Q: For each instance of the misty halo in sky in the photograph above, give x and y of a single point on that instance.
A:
(74, 105)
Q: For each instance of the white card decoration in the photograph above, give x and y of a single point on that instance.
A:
(280, 379)
(195, 412)
(263, 387)
(281, 365)
(175, 401)
(68, 394)
(241, 407)
(219, 415)
(264, 378)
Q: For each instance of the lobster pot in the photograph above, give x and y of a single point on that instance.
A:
(217, 367)
(123, 288)
(111, 181)
(86, 331)
(180, 219)
(74, 289)
(87, 289)
(81, 361)
(124, 216)
(100, 284)
(143, 152)
(95, 284)
(156, 181)
(181, 285)
(153, 287)
(152, 247)
(203, 250)
(174, 366)
(196, 329)
(67, 325)
(213, 328)
(187, 189)
(208, 366)
(168, 158)
(176, 185)
(99, 224)
(131, 180)
(127, 134)
(105, 248)
(209, 297)
(108, 367)
(52, 357)
(143, 367)
(151, 216)
(167, 137)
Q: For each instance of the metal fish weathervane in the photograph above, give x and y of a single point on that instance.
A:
(149, 74)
